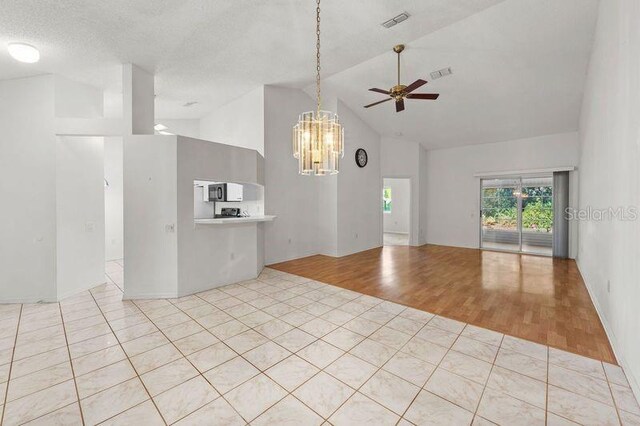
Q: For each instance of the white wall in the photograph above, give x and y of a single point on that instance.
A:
(609, 177)
(240, 122)
(294, 199)
(138, 108)
(397, 220)
(359, 213)
(150, 211)
(27, 190)
(402, 158)
(423, 198)
(113, 198)
(332, 215)
(80, 214)
(215, 255)
(184, 127)
(77, 100)
(453, 193)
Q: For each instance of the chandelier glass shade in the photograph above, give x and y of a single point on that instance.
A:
(318, 137)
(318, 143)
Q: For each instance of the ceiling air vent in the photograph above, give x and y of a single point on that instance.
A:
(441, 73)
(396, 20)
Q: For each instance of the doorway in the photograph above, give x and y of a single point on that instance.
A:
(396, 211)
(517, 214)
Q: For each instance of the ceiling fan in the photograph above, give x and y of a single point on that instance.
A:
(400, 91)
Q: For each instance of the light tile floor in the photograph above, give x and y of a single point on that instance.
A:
(395, 239)
(284, 350)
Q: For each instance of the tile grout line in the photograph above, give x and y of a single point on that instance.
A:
(241, 356)
(486, 384)
(270, 340)
(546, 392)
(73, 374)
(422, 388)
(132, 366)
(317, 339)
(394, 354)
(615, 403)
(189, 361)
(13, 353)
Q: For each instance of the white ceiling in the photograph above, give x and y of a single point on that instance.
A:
(518, 71)
(518, 65)
(211, 51)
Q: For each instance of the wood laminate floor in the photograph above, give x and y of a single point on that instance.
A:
(536, 298)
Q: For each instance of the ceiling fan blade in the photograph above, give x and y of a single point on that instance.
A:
(376, 103)
(400, 105)
(423, 95)
(413, 86)
(386, 92)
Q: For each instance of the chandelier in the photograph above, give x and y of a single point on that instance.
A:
(318, 137)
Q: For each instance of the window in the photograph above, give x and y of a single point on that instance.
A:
(386, 200)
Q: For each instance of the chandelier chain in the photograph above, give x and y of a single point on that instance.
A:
(318, 97)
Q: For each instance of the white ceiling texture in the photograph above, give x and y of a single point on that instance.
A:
(518, 65)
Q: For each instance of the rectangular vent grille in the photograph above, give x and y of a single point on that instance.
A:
(441, 73)
(396, 20)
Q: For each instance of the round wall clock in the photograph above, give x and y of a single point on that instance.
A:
(361, 157)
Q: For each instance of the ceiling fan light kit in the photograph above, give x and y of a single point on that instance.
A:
(318, 138)
(400, 92)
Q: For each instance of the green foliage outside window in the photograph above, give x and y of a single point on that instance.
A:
(500, 208)
(386, 200)
(538, 216)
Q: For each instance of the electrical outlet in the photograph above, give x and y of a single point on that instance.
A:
(608, 286)
(356, 235)
(170, 228)
(89, 226)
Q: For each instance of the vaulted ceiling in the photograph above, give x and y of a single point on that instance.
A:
(518, 65)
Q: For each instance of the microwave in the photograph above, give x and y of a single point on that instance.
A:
(225, 192)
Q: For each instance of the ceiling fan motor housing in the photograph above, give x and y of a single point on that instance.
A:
(398, 92)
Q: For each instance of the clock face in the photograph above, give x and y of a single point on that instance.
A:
(361, 157)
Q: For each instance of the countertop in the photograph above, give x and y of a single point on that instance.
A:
(226, 220)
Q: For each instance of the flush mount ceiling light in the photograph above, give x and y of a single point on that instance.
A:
(318, 138)
(24, 52)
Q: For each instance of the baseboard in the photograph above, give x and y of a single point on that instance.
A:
(23, 301)
(282, 259)
(633, 382)
(149, 296)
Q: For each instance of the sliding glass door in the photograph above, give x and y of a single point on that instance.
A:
(517, 214)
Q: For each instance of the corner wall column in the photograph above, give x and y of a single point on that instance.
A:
(137, 100)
